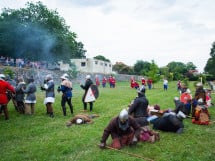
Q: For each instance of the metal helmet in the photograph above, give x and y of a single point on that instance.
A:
(141, 90)
(181, 115)
(2, 76)
(123, 120)
(123, 116)
(48, 77)
(79, 121)
(88, 76)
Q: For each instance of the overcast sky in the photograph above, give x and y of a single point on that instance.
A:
(130, 30)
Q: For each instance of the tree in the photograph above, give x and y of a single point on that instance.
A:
(100, 57)
(122, 68)
(164, 72)
(153, 73)
(36, 33)
(190, 66)
(178, 69)
(141, 67)
(210, 67)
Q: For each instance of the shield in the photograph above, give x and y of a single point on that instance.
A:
(185, 97)
(92, 94)
(95, 90)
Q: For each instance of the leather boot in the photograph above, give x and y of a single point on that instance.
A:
(50, 110)
(91, 106)
(64, 111)
(71, 109)
(6, 113)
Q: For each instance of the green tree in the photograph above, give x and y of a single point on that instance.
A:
(100, 57)
(122, 68)
(210, 65)
(164, 72)
(141, 67)
(178, 69)
(190, 66)
(154, 72)
(37, 33)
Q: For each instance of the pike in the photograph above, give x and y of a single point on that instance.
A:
(131, 154)
(211, 122)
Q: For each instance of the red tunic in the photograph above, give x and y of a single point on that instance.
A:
(4, 86)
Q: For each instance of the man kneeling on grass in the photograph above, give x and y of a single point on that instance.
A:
(82, 119)
(122, 130)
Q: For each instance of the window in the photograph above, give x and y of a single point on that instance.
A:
(96, 62)
(83, 64)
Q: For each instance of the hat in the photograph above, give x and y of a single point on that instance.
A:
(64, 76)
(88, 76)
(181, 115)
(141, 90)
(199, 84)
(79, 121)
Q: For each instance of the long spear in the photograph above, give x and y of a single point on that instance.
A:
(131, 154)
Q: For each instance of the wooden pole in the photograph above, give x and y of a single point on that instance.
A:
(131, 154)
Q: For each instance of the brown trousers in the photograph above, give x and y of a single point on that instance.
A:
(5, 110)
(125, 140)
(29, 108)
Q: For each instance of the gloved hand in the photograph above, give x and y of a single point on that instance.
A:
(58, 89)
(42, 88)
(102, 145)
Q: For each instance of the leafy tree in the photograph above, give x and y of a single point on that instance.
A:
(210, 67)
(141, 67)
(154, 72)
(122, 68)
(178, 69)
(100, 57)
(164, 72)
(190, 66)
(36, 33)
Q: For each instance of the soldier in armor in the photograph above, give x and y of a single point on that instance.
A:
(122, 130)
(50, 94)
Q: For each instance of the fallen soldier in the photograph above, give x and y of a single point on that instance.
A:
(169, 122)
(82, 119)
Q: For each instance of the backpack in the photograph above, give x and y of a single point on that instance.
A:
(201, 115)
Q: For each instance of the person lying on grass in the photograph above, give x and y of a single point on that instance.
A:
(169, 122)
(81, 119)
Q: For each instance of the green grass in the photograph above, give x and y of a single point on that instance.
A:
(42, 138)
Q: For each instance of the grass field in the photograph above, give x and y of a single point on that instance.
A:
(41, 138)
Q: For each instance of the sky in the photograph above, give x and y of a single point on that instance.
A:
(131, 30)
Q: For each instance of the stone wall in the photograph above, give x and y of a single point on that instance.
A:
(39, 75)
